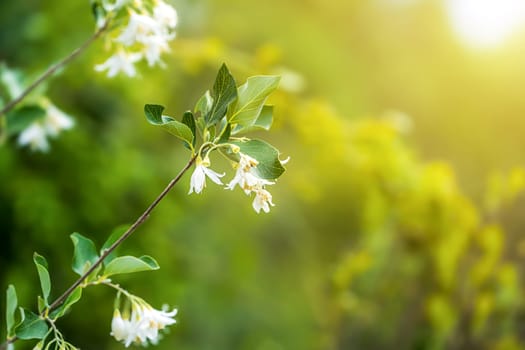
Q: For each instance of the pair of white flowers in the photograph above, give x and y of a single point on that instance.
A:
(142, 325)
(145, 36)
(36, 134)
(245, 177)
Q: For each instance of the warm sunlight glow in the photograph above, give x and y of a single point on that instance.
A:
(486, 23)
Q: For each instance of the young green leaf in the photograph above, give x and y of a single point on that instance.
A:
(19, 119)
(176, 128)
(223, 93)
(189, 121)
(113, 237)
(269, 166)
(31, 327)
(11, 304)
(129, 264)
(263, 122)
(71, 299)
(203, 105)
(251, 98)
(85, 253)
(43, 274)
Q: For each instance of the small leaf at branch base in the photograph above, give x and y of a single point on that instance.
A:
(130, 264)
(43, 274)
(85, 253)
(32, 326)
(189, 121)
(11, 304)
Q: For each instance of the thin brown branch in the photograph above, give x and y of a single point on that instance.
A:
(54, 305)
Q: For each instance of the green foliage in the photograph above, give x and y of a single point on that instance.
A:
(176, 128)
(20, 118)
(269, 166)
(43, 274)
(223, 93)
(10, 310)
(85, 253)
(32, 326)
(130, 264)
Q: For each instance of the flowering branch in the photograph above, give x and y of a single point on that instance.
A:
(52, 69)
(61, 299)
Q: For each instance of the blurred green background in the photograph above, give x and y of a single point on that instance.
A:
(398, 225)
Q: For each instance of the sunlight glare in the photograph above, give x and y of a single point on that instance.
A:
(486, 23)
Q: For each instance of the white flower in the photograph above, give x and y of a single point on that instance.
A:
(113, 6)
(35, 136)
(120, 61)
(198, 178)
(165, 15)
(143, 325)
(245, 178)
(138, 29)
(262, 200)
(57, 120)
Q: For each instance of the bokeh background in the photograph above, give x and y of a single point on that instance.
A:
(398, 225)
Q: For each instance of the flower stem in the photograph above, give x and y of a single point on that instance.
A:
(53, 68)
(54, 305)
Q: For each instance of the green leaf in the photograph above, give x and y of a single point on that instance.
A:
(189, 121)
(176, 128)
(204, 104)
(19, 119)
(225, 135)
(129, 264)
(32, 326)
(263, 122)
(251, 98)
(85, 253)
(113, 237)
(43, 274)
(223, 93)
(71, 299)
(269, 166)
(11, 304)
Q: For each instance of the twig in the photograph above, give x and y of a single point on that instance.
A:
(52, 69)
(54, 305)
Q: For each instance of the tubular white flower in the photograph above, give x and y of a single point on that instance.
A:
(262, 200)
(244, 176)
(121, 61)
(143, 325)
(165, 15)
(198, 178)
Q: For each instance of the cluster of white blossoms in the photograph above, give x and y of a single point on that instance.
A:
(141, 326)
(149, 28)
(36, 134)
(245, 177)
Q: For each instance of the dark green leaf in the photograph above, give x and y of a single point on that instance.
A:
(225, 135)
(176, 128)
(269, 166)
(204, 104)
(85, 253)
(43, 274)
(32, 326)
(251, 98)
(223, 93)
(189, 121)
(11, 304)
(22, 117)
(129, 264)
